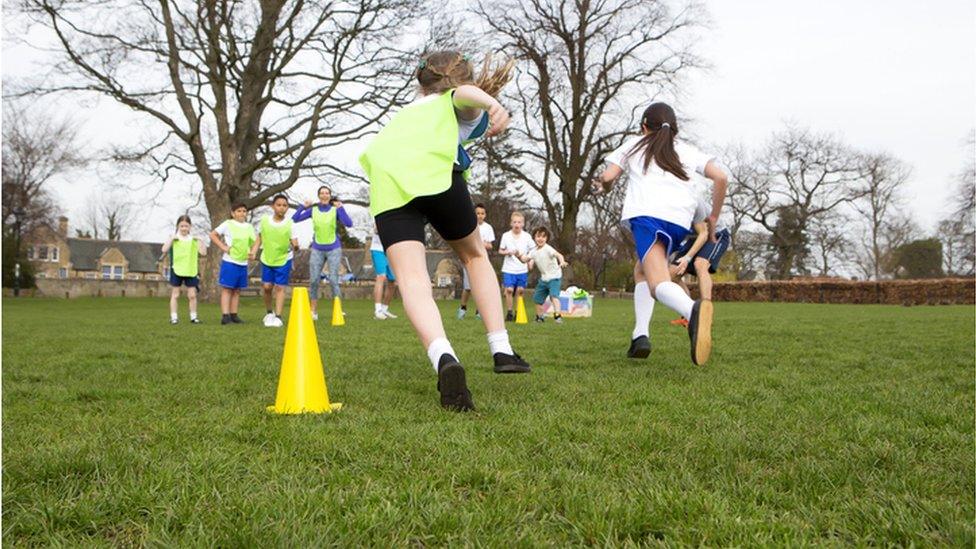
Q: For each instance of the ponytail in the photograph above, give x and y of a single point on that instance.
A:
(658, 144)
(181, 219)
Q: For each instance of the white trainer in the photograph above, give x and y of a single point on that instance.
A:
(389, 314)
(277, 322)
(268, 320)
(378, 315)
(315, 316)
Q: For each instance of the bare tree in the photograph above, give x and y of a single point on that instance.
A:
(958, 230)
(243, 93)
(884, 176)
(831, 245)
(109, 217)
(586, 66)
(798, 177)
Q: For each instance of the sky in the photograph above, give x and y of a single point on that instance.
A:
(890, 76)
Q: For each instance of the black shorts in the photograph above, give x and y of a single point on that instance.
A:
(450, 213)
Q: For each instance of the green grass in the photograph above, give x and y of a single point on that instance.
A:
(812, 424)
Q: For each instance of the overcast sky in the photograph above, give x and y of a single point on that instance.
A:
(896, 76)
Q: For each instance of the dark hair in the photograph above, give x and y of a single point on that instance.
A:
(277, 196)
(658, 144)
(480, 205)
(541, 230)
(440, 71)
(237, 205)
(326, 187)
(181, 219)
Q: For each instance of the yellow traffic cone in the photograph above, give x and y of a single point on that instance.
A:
(301, 385)
(338, 319)
(520, 316)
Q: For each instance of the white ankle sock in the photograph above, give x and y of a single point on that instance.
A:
(173, 316)
(498, 343)
(643, 309)
(438, 348)
(674, 297)
(385, 308)
(377, 307)
(193, 315)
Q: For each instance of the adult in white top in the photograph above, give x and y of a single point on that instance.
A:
(658, 208)
(488, 238)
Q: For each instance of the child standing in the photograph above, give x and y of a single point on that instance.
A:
(658, 207)
(385, 283)
(487, 236)
(550, 264)
(415, 167)
(276, 238)
(238, 237)
(184, 267)
(326, 246)
(515, 274)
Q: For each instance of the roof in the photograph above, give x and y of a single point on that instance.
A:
(143, 257)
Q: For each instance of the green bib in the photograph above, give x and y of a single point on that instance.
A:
(324, 225)
(275, 242)
(241, 239)
(413, 155)
(185, 261)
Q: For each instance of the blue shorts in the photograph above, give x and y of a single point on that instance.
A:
(546, 289)
(712, 251)
(510, 280)
(647, 231)
(176, 280)
(279, 276)
(232, 275)
(381, 265)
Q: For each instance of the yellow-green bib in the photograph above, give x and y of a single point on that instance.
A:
(413, 155)
(241, 239)
(275, 242)
(324, 225)
(185, 261)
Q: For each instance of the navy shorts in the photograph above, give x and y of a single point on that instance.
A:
(648, 230)
(232, 275)
(712, 251)
(279, 276)
(176, 280)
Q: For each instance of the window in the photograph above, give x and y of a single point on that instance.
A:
(30, 252)
(117, 272)
(106, 271)
(54, 253)
(42, 253)
(62, 273)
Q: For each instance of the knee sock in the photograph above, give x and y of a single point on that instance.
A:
(674, 297)
(498, 343)
(437, 348)
(643, 309)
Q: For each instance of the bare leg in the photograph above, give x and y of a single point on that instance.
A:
(464, 297)
(279, 300)
(389, 291)
(314, 304)
(225, 298)
(191, 294)
(704, 277)
(484, 282)
(508, 299)
(378, 288)
(235, 301)
(680, 281)
(267, 295)
(555, 304)
(538, 310)
(409, 262)
(174, 297)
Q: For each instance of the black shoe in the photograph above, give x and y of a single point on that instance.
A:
(451, 384)
(195, 321)
(539, 318)
(236, 319)
(639, 348)
(510, 364)
(700, 331)
(225, 319)
(510, 317)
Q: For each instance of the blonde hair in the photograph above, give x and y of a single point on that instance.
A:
(442, 70)
(515, 214)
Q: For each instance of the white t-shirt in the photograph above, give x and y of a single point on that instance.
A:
(521, 243)
(659, 193)
(291, 235)
(224, 230)
(547, 262)
(487, 233)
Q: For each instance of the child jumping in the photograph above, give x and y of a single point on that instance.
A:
(276, 238)
(238, 237)
(384, 285)
(515, 274)
(487, 236)
(658, 207)
(416, 166)
(184, 267)
(550, 264)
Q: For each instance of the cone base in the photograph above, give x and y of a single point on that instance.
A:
(333, 407)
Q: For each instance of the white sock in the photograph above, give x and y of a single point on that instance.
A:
(173, 316)
(193, 315)
(643, 309)
(674, 297)
(385, 308)
(438, 348)
(498, 343)
(377, 307)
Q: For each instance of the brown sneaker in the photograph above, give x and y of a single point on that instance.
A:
(700, 331)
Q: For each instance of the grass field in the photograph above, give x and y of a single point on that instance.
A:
(812, 424)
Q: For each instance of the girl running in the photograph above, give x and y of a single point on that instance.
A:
(658, 208)
(415, 167)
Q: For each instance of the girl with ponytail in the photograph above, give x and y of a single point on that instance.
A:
(416, 169)
(659, 207)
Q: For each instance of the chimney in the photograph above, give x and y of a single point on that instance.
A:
(63, 225)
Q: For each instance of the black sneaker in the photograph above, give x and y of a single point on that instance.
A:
(452, 386)
(510, 364)
(195, 321)
(539, 318)
(509, 317)
(236, 319)
(225, 319)
(700, 331)
(639, 348)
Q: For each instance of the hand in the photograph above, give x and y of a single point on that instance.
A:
(337, 204)
(498, 119)
(307, 203)
(251, 255)
(711, 228)
(564, 264)
(596, 185)
(682, 266)
(226, 249)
